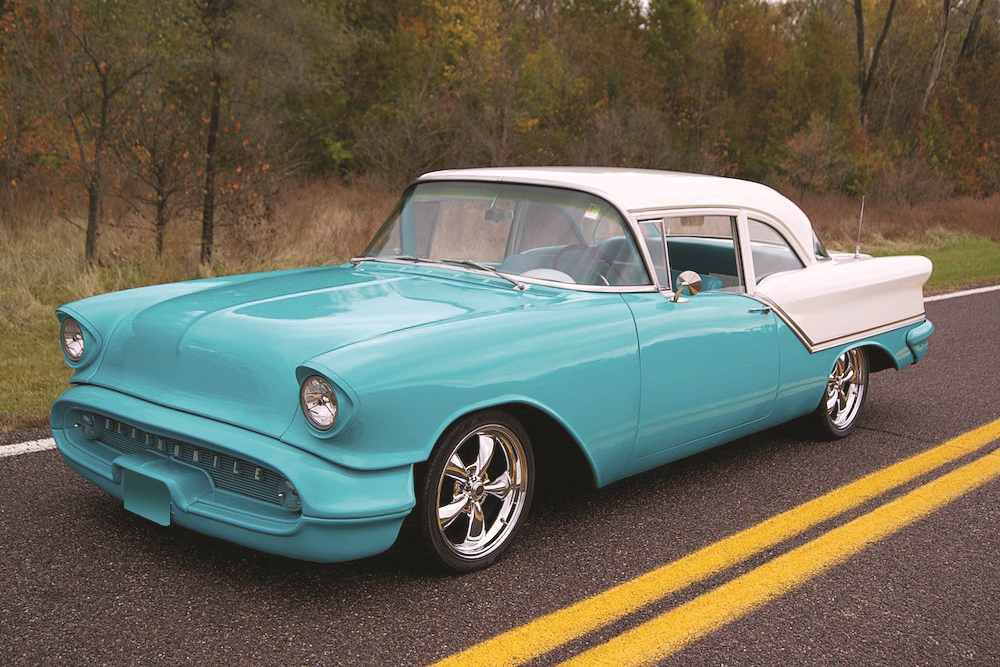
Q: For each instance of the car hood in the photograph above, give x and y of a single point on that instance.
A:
(229, 351)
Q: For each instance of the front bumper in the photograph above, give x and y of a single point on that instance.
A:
(224, 481)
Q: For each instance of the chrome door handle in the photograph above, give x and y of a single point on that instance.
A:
(763, 310)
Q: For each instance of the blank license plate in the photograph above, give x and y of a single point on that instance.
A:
(147, 497)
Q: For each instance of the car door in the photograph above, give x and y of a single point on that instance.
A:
(709, 365)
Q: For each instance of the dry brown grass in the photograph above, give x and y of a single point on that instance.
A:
(41, 267)
(313, 222)
(835, 218)
(321, 222)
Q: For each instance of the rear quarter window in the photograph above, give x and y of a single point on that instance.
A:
(771, 251)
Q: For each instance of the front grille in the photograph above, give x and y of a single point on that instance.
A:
(227, 472)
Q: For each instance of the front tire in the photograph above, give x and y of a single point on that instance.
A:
(836, 416)
(475, 491)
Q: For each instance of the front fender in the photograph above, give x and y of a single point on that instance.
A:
(575, 359)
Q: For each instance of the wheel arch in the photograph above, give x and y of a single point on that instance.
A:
(559, 456)
(879, 358)
(559, 462)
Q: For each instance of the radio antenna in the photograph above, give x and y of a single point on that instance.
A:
(861, 221)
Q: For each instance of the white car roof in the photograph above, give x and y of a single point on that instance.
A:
(647, 190)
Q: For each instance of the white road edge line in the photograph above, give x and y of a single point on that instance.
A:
(968, 292)
(27, 447)
(49, 443)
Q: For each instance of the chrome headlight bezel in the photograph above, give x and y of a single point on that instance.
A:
(318, 400)
(72, 340)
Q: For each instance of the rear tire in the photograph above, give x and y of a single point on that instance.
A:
(474, 492)
(836, 416)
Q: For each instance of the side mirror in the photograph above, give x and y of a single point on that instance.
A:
(688, 280)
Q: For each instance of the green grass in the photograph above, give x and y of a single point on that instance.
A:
(960, 260)
(34, 278)
(32, 374)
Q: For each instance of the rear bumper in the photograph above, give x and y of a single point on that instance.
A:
(918, 338)
(224, 481)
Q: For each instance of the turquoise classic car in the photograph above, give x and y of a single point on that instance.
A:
(506, 329)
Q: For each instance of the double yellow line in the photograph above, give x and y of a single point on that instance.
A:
(675, 629)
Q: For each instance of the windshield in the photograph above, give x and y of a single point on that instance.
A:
(530, 231)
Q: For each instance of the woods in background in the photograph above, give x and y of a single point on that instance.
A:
(202, 108)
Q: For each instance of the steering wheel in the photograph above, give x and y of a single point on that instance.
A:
(592, 251)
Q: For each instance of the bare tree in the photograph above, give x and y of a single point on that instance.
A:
(972, 35)
(88, 71)
(944, 28)
(217, 20)
(254, 56)
(159, 152)
(867, 65)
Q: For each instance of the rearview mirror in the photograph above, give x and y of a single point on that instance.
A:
(499, 214)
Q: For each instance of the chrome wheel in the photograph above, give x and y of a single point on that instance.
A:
(477, 491)
(481, 492)
(845, 394)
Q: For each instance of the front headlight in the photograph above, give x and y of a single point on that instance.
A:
(71, 335)
(319, 402)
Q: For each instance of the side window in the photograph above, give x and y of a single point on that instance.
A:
(706, 244)
(652, 236)
(771, 251)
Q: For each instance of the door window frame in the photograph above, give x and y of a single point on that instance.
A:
(740, 240)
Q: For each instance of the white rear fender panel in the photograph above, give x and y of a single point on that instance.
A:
(834, 302)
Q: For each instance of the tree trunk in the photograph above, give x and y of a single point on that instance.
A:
(211, 147)
(93, 215)
(944, 27)
(866, 70)
(859, 22)
(95, 187)
(160, 223)
(972, 36)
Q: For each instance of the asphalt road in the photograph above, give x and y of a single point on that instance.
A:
(86, 583)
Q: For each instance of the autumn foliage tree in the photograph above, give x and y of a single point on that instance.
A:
(201, 108)
(159, 152)
(87, 62)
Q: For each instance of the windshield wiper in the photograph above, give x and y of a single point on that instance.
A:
(518, 285)
(391, 258)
